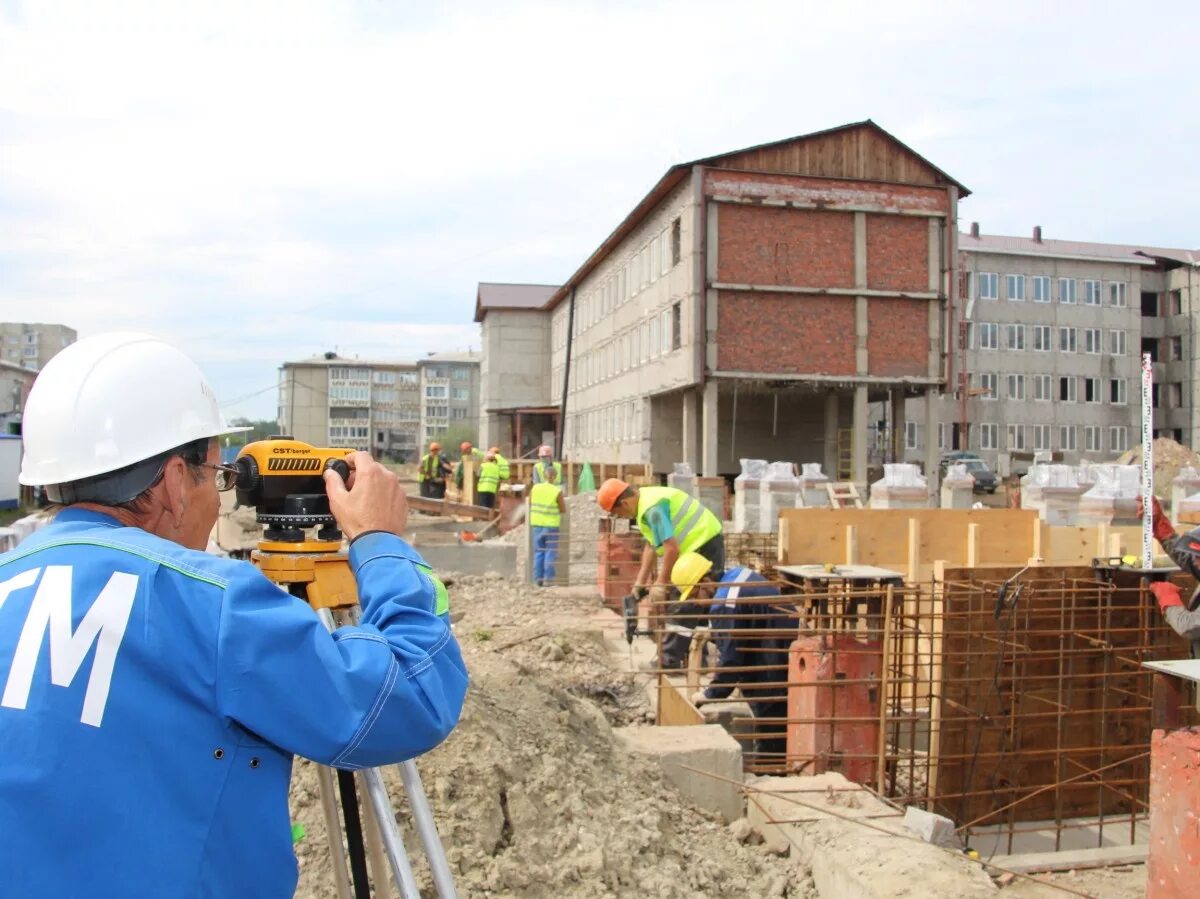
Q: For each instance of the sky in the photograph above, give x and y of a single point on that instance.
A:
(262, 182)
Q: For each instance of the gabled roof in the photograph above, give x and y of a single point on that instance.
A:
(816, 154)
(1074, 249)
(510, 296)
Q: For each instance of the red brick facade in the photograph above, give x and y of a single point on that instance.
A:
(783, 333)
(898, 337)
(773, 245)
(897, 253)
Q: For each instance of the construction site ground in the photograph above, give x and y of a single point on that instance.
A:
(535, 796)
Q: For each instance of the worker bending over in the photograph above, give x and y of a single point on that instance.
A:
(673, 523)
(750, 634)
(433, 472)
(1185, 552)
(154, 695)
(546, 509)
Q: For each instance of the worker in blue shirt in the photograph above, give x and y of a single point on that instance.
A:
(154, 695)
(750, 632)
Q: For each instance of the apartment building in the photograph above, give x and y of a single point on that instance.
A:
(449, 391)
(15, 383)
(1170, 302)
(31, 344)
(369, 405)
(1046, 348)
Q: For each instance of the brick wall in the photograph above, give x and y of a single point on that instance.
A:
(898, 337)
(785, 333)
(793, 247)
(897, 253)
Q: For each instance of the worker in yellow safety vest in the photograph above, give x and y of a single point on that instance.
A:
(673, 523)
(501, 461)
(468, 452)
(546, 464)
(433, 471)
(489, 482)
(546, 509)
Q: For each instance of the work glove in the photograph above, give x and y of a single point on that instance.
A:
(1167, 595)
(658, 593)
(1163, 530)
(639, 592)
(699, 698)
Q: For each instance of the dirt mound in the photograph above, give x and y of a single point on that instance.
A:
(1169, 459)
(533, 796)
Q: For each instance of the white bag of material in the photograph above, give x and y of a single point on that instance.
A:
(779, 489)
(746, 494)
(813, 494)
(683, 478)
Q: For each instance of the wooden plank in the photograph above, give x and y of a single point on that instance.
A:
(674, 710)
(1074, 859)
(935, 677)
(914, 550)
(446, 507)
(851, 541)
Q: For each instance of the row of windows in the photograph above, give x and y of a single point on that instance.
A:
(987, 287)
(344, 394)
(403, 378)
(655, 336)
(657, 257)
(337, 432)
(1041, 338)
(610, 424)
(338, 373)
(1018, 438)
(1048, 388)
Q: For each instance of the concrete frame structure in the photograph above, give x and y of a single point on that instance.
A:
(32, 345)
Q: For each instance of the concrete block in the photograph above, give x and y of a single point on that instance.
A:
(706, 747)
(931, 828)
(471, 558)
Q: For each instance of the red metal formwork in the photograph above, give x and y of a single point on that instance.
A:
(1173, 869)
(618, 556)
(834, 693)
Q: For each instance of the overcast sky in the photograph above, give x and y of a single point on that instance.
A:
(264, 181)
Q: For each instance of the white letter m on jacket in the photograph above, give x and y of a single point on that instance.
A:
(103, 625)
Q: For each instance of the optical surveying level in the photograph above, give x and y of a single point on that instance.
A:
(301, 550)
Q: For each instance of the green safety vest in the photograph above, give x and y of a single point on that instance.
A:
(431, 467)
(543, 506)
(442, 603)
(489, 478)
(503, 463)
(693, 524)
(538, 474)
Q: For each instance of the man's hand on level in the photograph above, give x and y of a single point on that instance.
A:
(372, 500)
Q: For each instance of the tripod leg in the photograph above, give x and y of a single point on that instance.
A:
(392, 842)
(427, 830)
(333, 827)
(354, 835)
(375, 859)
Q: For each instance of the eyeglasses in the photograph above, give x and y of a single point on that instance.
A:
(225, 477)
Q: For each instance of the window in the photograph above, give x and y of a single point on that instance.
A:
(1016, 438)
(1041, 288)
(654, 344)
(436, 391)
(1175, 395)
(910, 435)
(1066, 438)
(1091, 341)
(460, 393)
(1041, 339)
(1068, 390)
(988, 385)
(665, 331)
(989, 285)
(941, 435)
(1118, 439)
(1066, 340)
(676, 241)
(655, 265)
(383, 377)
(458, 414)
(988, 336)
(1116, 294)
(1116, 391)
(1091, 438)
(1066, 291)
(1041, 388)
(988, 436)
(1175, 349)
(1015, 287)
(1040, 437)
(1091, 293)
(1117, 344)
(676, 324)
(1091, 390)
(1016, 337)
(1016, 387)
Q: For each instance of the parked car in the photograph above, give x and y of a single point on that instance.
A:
(986, 480)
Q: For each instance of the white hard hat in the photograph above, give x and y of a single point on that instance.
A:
(110, 401)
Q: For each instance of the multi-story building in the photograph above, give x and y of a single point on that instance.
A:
(369, 405)
(449, 394)
(32, 345)
(754, 304)
(1170, 304)
(15, 382)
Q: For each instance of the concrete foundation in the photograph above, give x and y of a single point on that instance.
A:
(706, 747)
(471, 558)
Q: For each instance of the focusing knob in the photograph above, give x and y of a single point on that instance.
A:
(340, 466)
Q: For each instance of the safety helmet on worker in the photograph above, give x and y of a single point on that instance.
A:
(465, 447)
(690, 569)
(545, 452)
(107, 411)
(435, 447)
(1189, 543)
(610, 491)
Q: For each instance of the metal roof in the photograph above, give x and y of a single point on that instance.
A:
(511, 296)
(1075, 249)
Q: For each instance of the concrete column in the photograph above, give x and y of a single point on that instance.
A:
(931, 447)
(897, 416)
(691, 425)
(832, 420)
(859, 435)
(708, 431)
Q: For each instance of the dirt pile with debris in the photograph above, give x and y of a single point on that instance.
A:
(1169, 459)
(532, 794)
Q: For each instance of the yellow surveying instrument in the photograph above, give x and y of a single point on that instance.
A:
(301, 550)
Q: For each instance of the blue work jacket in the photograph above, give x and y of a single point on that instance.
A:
(153, 697)
(742, 639)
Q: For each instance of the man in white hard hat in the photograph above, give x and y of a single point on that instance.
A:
(154, 695)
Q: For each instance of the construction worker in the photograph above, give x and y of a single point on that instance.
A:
(749, 635)
(489, 482)
(501, 462)
(1185, 552)
(673, 523)
(467, 452)
(155, 694)
(545, 464)
(546, 509)
(433, 471)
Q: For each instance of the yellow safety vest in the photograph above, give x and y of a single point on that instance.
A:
(503, 463)
(489, 478)
(431, 467)
(543, 506)
(693, 524)
(538, 474)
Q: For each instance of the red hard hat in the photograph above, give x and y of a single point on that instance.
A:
(610, 491)
(465, 446)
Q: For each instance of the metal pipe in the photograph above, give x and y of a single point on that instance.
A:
(427, 830)
(393, 845)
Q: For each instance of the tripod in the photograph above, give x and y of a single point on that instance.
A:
(319, 573)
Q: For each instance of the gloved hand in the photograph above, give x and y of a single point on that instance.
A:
(1163, 530)
(1167, 595)
(698, 698)
(639, 592)
(658, 593)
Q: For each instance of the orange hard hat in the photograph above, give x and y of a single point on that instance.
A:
(494, 449)
(435, 447)
(610, 491)
(465, 446)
